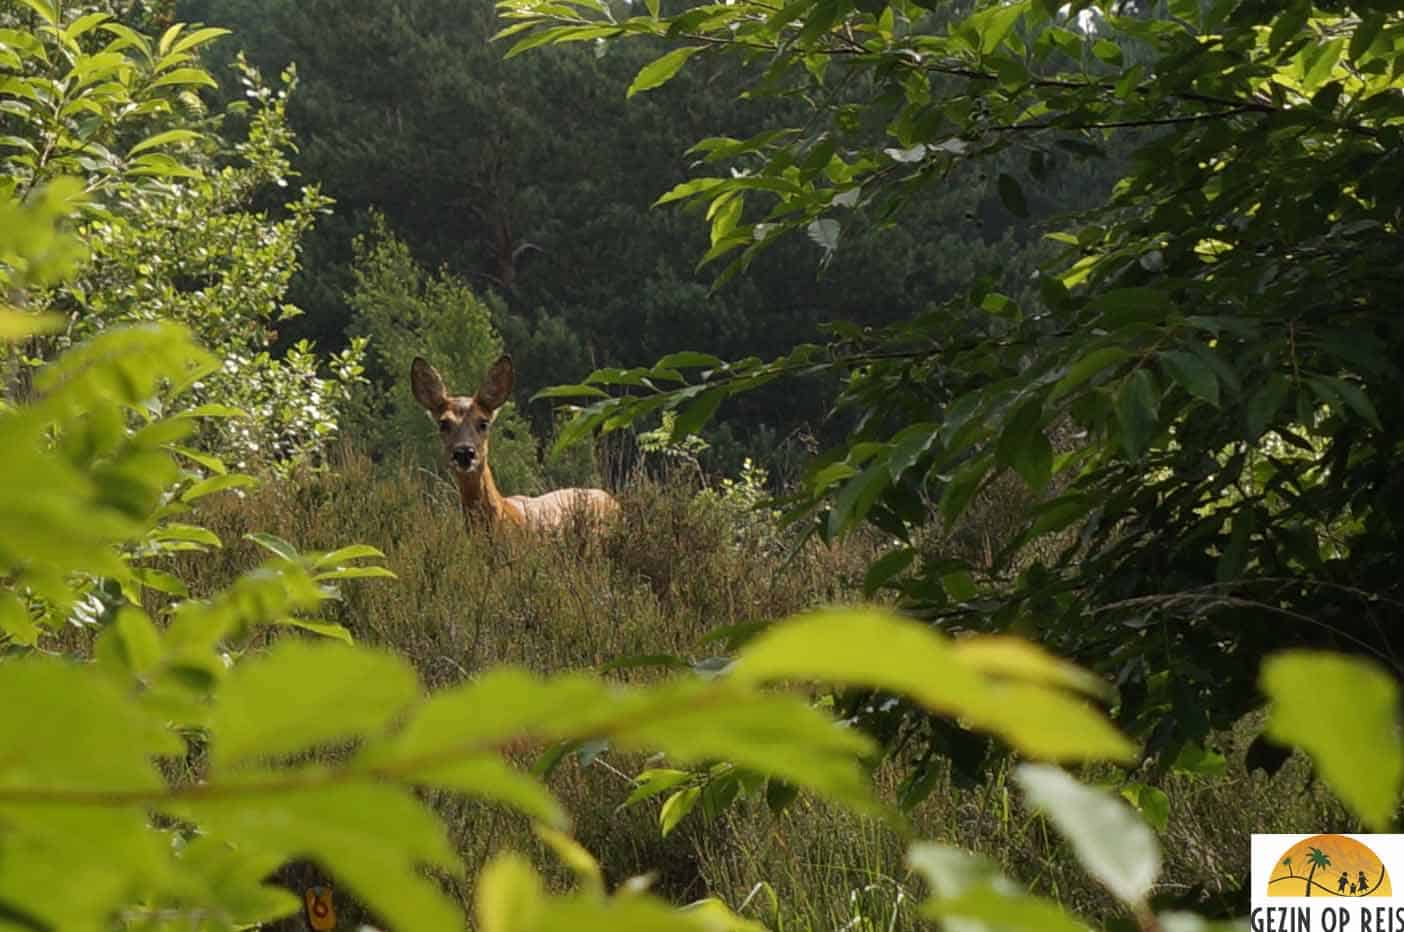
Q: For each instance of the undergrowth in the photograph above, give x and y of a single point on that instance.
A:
(675, 568)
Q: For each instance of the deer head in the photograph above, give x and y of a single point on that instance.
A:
(464, 421)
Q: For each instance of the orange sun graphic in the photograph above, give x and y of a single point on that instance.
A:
(1328, 865)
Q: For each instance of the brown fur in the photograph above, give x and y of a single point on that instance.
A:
(465, 424)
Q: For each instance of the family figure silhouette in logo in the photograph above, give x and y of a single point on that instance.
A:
(1360, 888)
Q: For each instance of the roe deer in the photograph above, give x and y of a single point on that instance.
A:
(464, 422)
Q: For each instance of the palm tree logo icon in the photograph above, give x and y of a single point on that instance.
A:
(1305, 869)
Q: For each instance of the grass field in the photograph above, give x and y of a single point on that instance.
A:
(671, 571)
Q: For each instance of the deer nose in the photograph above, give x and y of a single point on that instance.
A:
(463, 456)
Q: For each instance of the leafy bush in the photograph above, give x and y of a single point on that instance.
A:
(169, 222)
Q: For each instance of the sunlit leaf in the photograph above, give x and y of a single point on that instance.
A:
(340, 693)
(1332, 706)
(1110, 840)
(661, 70)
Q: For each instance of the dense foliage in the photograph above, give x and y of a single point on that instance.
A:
(169, 220)
(164, 759)
(1204, 393)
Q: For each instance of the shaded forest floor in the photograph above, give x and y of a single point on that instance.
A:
(672, 571)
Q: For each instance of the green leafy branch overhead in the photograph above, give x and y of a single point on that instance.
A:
(90, 97)
(940, 87)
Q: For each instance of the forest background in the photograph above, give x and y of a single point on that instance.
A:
(531, 182)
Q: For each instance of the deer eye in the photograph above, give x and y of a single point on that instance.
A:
(444, 425)
(484, 424)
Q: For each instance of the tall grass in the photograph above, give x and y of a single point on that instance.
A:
(669, 572)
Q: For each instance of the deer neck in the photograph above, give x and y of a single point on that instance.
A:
(481, 500)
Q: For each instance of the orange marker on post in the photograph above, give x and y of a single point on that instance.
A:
(321, 916)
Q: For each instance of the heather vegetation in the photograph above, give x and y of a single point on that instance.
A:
(1001, 398)
(670, 574)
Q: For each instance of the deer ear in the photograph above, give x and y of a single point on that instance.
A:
(497, 384)
(427, 385)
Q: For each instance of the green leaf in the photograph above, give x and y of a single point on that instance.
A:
(1197, 759)
(688, 189)
(122, 365)
(213, 410)
(355, 572)
(347, 554)
(570, 391)
(161, 581)
(875, 649)
(1288, 25)
(509, 897)
(659, 71)
(1108, 51)
(689, 359)
(161, 165)
(1136, 406)
(650, 783)
(676, 807)
(45, 9)
(1234, 558)
(371, 836)
(303, 694)
(700, 721)
(185, 533)
(995, 908)
(857, 497)
(1265, 404)
(140, 642)
(85, 24)
(884, 568)
(217, 484)
(1323, 59)
(213, 463)
(951, 872)
(488, 776)
(80, 730)
(1087, 367)
(1024, 447)
(1012, 195)
(197, 38)
(961, 488)
(1110, 840)
(15, 326)
(1356, 399)
(185, 77)
(1333, 706)
(1150, 802)
(1192, 374)
(15, 622)
(274, 545)
(1011, 658)
(1363, 39)
(1000, 305)
(169, 137)
(992, 25)
(697, 413)
(825, 233)
(325, 629)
